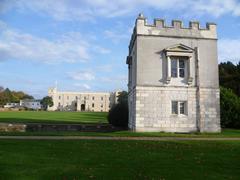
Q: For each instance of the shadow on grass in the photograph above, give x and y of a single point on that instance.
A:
(41, 125)
(93, 120)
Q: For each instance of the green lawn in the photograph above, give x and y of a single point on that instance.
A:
(231, 133)
(91, 159)
(88, 117)
(53, 117)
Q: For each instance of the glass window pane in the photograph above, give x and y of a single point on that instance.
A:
(181, 68)
(174, 107)
(182, 108)
(173, 68)
(181, 63)
(181, 72)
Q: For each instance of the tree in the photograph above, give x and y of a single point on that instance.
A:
(229, 76)
(118, 114)
(21, 95)
(46, 101)
(230, 108)
(123, 97)
(8, 96)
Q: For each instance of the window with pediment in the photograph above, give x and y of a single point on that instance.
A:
(178, 63)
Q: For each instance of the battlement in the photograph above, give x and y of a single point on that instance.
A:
(176, 29)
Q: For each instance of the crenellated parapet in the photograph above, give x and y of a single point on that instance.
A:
(176, 29)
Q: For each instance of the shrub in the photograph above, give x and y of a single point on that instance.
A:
(230, 109)
(118, 115)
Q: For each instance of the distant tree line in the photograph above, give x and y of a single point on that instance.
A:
(229, 79)
(8, 96)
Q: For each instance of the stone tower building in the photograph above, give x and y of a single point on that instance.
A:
(173, 77)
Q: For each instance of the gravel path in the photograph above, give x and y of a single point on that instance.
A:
(117, 138)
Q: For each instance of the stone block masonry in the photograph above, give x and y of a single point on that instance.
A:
(153, 109)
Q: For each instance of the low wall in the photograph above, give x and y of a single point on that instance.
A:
(34, 127)
(9, 109)
(9, 127)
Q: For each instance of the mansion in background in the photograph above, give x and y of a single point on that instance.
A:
(82, 101)
(173, 80)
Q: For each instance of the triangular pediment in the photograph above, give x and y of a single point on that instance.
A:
(179, 48)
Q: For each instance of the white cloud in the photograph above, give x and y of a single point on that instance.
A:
(101, 50)
(121, 78)
(115, 36)
(70, 47)
(17, 45)
(82, 86)
(90, 10)
(217, 7)
(105, 68)
(228, 50)
(82, 75)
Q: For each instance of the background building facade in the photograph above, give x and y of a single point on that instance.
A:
(173, 77)
(81, 101)
(30, 104)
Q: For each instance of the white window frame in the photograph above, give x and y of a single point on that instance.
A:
(178, 59)
(179, 103)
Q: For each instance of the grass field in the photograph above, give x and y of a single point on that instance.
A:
(101, 159)
(53, 117)
(91, 159)
(231, 133)
(88, 117)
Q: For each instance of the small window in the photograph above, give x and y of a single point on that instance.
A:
(101, 105)
(93, 98)
(179, 107)
(59, 97)
(92, 104)
(102, 98)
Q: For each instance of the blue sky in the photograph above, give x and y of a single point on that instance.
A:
(83, 44)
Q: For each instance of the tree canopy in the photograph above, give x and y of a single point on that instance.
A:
(229, 79)
(8, 96)
(46, 101)
(230, 108)
(229, 76)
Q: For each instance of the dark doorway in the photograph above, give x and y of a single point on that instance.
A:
(82, 107)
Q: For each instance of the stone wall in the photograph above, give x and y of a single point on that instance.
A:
(9, 127)
(209, 117)
(35, 127)
(153, 109)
